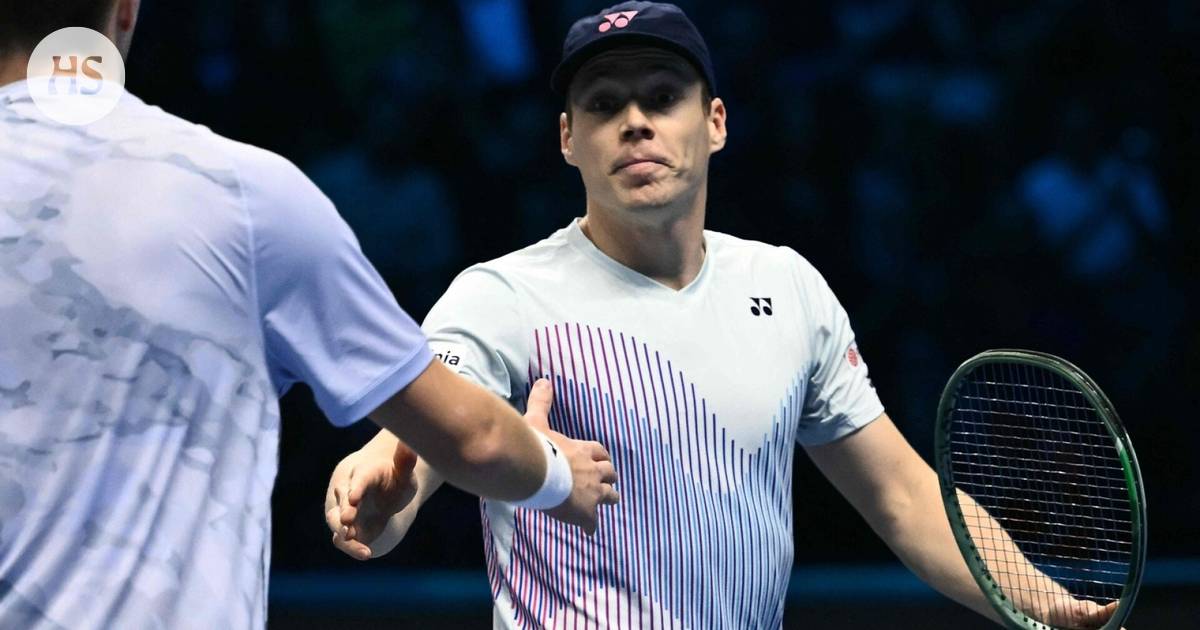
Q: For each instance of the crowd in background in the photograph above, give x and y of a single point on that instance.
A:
(965, 174)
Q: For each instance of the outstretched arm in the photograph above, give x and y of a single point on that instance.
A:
(898, 494)
(375, 492)
(471, 436)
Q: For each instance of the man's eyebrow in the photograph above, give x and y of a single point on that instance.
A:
(606, 71)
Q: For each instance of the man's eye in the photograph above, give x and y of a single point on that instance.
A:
(666, 98)
(601, 104)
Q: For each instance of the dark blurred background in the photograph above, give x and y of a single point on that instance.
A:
(967, 175)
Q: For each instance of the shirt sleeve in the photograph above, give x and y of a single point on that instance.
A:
(327, 317)
(475, 329)
(839, 397)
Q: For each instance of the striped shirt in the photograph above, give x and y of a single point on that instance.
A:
(700, 395)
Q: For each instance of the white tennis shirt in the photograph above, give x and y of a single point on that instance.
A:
(160, 286)
(700, 395)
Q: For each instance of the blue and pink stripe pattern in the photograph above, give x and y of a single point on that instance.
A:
(703, 535)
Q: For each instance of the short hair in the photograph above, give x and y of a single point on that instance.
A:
(24, 23)
(706, 99)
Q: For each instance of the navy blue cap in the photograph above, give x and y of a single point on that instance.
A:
(650, 23)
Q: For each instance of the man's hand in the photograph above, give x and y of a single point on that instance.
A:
(592, 470)
(367, 488)
(369, 504)
(1068, 612)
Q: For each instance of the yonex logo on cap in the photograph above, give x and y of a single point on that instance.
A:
(619, 20)
(660, 23)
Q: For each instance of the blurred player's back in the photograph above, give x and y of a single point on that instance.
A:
(138, 417)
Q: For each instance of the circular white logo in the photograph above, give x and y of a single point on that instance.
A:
(76, 76)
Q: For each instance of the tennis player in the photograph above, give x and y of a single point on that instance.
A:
(160, 287)
(699, 358)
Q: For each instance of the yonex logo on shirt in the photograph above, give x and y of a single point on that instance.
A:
(762, 306)
(619, 20)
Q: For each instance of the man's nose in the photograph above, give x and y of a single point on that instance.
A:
(636, 125)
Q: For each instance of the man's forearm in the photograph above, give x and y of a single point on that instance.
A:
(898, 494)
(474, 439)
(925, 543)
(1031, 589)
(922, 539)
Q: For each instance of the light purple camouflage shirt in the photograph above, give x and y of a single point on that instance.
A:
(160, 286)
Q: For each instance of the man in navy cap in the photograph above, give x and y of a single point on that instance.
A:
(699, 358)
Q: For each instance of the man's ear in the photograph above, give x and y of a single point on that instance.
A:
(121, 24)
(126, 14)
(565, 140)
(716, 126)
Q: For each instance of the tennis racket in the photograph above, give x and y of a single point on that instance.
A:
(1043, 491)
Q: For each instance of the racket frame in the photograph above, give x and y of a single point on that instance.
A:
(1133, 482)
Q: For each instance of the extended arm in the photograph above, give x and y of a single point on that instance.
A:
(478, 442)
(898, 494)
(375, 492)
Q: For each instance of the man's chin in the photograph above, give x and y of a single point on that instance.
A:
(649, 197)
(653, 210)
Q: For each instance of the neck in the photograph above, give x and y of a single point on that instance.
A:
(13, 67)
(668, 248)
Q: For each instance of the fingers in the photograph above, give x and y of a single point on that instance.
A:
(333, 500)
(353, 494)
(333, 519)
(1082, 613)
(405, 459)
(331, 495)
(608, 475)
(360, 483)
(351, 547)
(348, 517)
(364, 480)
(343, 534)
(599, 453)
(537, 408)
(1097, 615)
(608, 472)
(347, 506)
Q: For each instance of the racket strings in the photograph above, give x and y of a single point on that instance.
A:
(1030, 449)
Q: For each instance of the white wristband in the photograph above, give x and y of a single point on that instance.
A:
(557, 486)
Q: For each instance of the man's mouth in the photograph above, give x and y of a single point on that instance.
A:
(639, 164)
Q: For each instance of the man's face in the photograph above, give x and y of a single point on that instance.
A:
(640, 133)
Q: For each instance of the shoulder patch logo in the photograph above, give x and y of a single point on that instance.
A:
(450, 354)
(852, 356)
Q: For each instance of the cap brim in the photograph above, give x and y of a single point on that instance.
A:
(560, 79)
